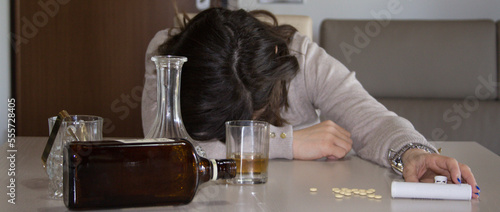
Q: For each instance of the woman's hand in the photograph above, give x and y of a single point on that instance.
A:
(325, 139)
(421, 166)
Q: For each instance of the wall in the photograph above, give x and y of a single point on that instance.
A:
(319, 10)
(4, 67)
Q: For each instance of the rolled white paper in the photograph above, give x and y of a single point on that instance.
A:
(431, 191)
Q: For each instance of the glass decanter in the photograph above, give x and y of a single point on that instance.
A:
(168, 122)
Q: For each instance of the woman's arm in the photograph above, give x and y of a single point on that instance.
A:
(326, 84)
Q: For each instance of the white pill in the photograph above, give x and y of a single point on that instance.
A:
(313, 189)
(378, 196)
(339, 195)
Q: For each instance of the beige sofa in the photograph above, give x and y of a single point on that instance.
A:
(441, 75)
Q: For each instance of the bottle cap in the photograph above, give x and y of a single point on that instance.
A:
(440, 179)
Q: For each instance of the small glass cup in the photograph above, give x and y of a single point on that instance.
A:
(247, 142)
(75, 127)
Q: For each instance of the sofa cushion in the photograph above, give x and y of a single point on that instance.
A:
(416, 59)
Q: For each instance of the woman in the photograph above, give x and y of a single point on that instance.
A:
(240, 68)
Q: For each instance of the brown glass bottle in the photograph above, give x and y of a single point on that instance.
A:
(132, 174)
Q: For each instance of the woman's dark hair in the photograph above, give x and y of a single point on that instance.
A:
(238, 67)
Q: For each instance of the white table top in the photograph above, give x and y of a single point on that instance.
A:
(286, 190)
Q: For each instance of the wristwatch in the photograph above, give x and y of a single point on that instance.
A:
(395, 157)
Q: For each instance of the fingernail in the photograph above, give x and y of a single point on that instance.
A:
(478, 188)
(477, 194)
(458, 178)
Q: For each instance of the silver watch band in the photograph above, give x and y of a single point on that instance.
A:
(395, 157)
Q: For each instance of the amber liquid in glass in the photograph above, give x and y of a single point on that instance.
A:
(250, 163)
(114, 174)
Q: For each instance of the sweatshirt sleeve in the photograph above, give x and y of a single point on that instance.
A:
(329, 86)
(280, 142)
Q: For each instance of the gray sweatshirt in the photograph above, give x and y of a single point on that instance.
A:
(324, 89)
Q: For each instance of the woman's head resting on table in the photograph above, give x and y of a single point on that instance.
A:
(238, 69)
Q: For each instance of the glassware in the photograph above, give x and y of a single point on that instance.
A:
(137, 173)
(75, 127)
(168, 122)
(247, 142)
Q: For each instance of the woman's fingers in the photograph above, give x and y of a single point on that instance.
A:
(420, 165)
(325, 139)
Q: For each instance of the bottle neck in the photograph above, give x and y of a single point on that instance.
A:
(216, 169)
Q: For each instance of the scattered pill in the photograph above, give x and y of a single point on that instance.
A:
(347, 192)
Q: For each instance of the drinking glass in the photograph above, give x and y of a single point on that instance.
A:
(75, 127)
(247, 142)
